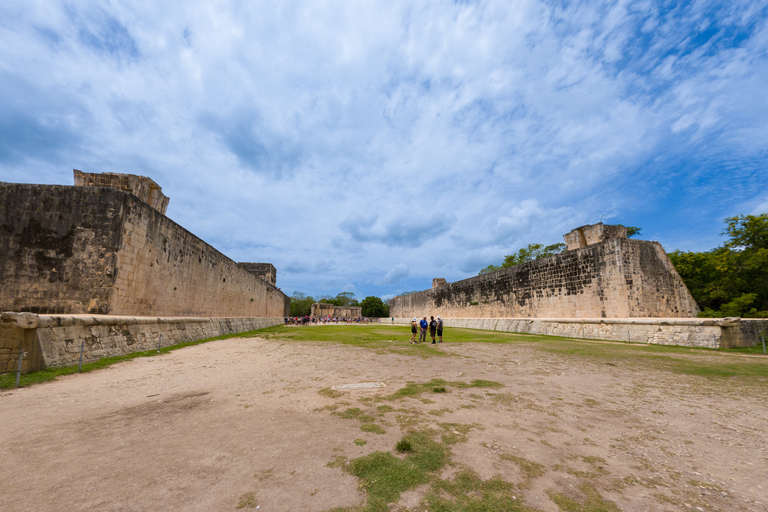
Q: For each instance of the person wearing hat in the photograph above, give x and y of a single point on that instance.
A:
(414, 324)
(439, 329)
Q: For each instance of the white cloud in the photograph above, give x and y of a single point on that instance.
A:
(347, 141)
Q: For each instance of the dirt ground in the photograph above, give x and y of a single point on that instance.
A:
(245, 422)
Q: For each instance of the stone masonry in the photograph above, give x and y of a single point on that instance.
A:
(265, 271)
(602, 275)
(100, 250)
(140, 186)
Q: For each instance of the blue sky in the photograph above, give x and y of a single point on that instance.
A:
(371, 146)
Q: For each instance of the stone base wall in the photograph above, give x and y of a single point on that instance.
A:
(55, 340)
(687, 332)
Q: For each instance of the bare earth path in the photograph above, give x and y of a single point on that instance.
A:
(242, 422)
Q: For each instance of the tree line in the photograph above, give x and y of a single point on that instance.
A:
(372, 307)
(730, 280)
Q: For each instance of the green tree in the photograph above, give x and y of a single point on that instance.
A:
(374, 307)
(530, 252)
(301, 304)
(731, 280)
(343, 299)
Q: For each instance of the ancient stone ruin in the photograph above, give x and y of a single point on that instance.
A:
(320, 310)
(101, 248)
(105, 247)
(601, 275)
(140, 186)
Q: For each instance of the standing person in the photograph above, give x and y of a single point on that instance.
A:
(413, 330)
(423, 331)
(439, 329)
(432, 328)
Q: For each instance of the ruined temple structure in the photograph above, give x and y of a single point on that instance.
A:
(320, 310)
(106, 247)
(602, 274)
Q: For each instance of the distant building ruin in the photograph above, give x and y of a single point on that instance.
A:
(602, 274)
(320, 310)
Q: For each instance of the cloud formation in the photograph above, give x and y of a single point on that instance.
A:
(377, 145)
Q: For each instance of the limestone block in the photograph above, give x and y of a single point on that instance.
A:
(19, 320)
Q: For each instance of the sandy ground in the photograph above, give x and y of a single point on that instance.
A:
(210, 426)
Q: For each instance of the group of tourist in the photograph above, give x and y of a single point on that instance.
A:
(420, 327)
(304, 320)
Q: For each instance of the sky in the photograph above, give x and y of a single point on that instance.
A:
(370, 146)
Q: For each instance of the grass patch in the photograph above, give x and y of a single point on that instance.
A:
(353, 412)
(387, 338)
(330, 393)
(528, 468)
(592, 502)
(703, 362)
(373, 428)
(455, 432)
(468, 492)
(384, 477)
(360, 442)
(247, 500)
(404, 446)
(413, 389)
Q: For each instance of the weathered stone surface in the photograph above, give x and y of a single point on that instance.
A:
(140, 186)
(616, 278)
(98, 250)
(689, 332)
(56, 340)
(265, 271)
(19, 320)
(592, 234)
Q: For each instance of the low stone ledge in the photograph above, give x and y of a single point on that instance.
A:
(56, 340)
(690, 332)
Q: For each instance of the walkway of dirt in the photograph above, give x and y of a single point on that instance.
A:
(242, 421)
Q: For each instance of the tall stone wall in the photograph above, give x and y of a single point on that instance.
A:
(58, 247)
(99, 250)
(616, 278)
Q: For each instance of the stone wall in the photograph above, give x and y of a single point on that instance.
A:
(264, 271)
(140, 186)
(58, 247)
(687, 332)
(592, 234)
(99, 250)
(55, 340)
(616, 278)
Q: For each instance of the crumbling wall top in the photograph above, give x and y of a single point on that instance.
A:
(593, 234)
(142, 187)
(264, 271)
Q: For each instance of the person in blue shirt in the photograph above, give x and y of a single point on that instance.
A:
(423, 334)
